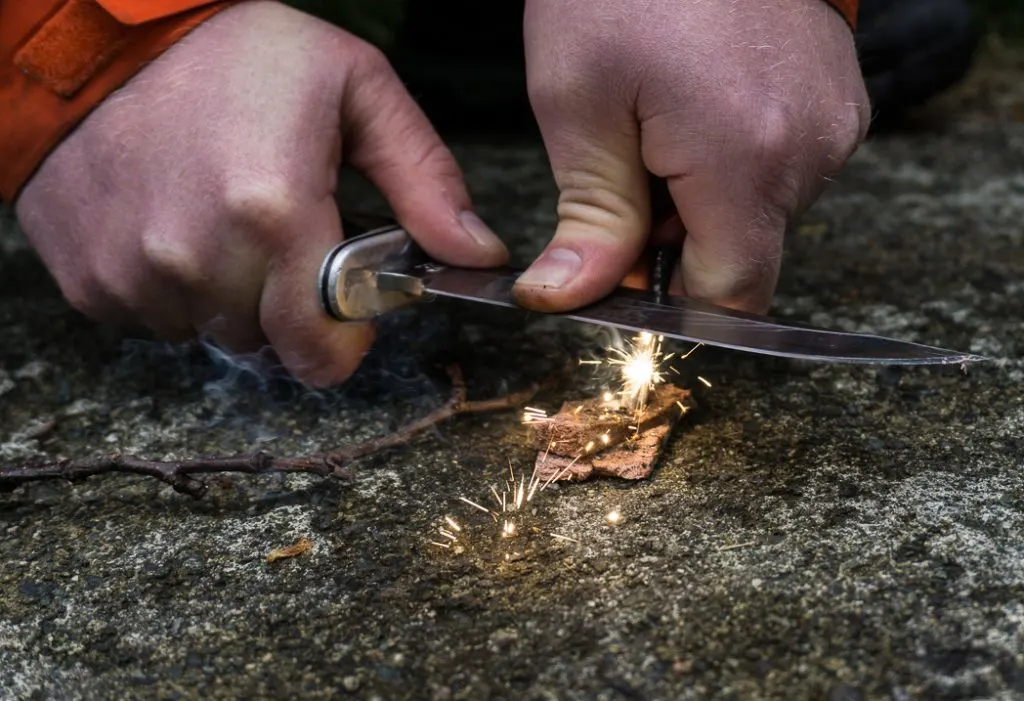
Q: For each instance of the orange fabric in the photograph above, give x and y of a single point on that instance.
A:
(848, 9)
(134, 12)
(61, 58)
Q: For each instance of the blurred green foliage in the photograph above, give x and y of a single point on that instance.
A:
(1005, 17)
(376, 21)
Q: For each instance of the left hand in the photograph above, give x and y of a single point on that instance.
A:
(744, 108)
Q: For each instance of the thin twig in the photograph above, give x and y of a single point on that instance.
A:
(736, 546)
(180, 474)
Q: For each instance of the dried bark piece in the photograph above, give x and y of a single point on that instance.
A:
(578, 427)
(303, 545)
(629, 454)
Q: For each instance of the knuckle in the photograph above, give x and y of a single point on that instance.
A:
(420, 152)
(267, 204)
(592, 200)
(113, 284)
(433, 155)
(775, 136)
(773, 147)
(172, 258)
(370, 62)
(846, 132)
(82, 297)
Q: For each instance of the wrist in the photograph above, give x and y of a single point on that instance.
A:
(60, 58)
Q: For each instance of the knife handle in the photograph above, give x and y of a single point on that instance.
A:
(349, 288)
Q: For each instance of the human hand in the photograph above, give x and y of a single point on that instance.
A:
(199, 199)
(744, 108)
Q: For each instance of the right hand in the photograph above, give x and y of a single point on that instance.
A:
(743, 109)
(199, 199)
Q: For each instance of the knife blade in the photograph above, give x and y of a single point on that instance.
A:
(383, 270)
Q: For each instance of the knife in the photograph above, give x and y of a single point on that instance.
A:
(384, 269)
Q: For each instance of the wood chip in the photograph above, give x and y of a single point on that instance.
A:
(300, 547)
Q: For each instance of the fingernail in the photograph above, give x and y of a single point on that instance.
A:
(553, 269)
(478, 230)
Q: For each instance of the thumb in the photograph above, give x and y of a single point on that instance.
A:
(392, 142)
(603, 203)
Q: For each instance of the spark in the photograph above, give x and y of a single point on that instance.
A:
(690, 352)
(705, 382)
(451, 522)
(475, 505)
(535, 478)
(533, 415)
(605, 438)
(558, 475)
(737, 546)
(512, 497)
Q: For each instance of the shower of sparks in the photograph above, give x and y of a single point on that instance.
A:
(532, 415)
(510, 501)
(641, 367)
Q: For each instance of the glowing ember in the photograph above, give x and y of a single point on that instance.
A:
(613, 516)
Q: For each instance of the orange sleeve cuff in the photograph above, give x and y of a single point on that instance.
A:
(60, 58)
(848, 9)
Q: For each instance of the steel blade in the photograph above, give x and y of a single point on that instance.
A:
(688, 320)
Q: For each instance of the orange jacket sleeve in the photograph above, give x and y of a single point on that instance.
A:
(848, 9)
(60, 58)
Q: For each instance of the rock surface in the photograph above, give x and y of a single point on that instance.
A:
(812, 532)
